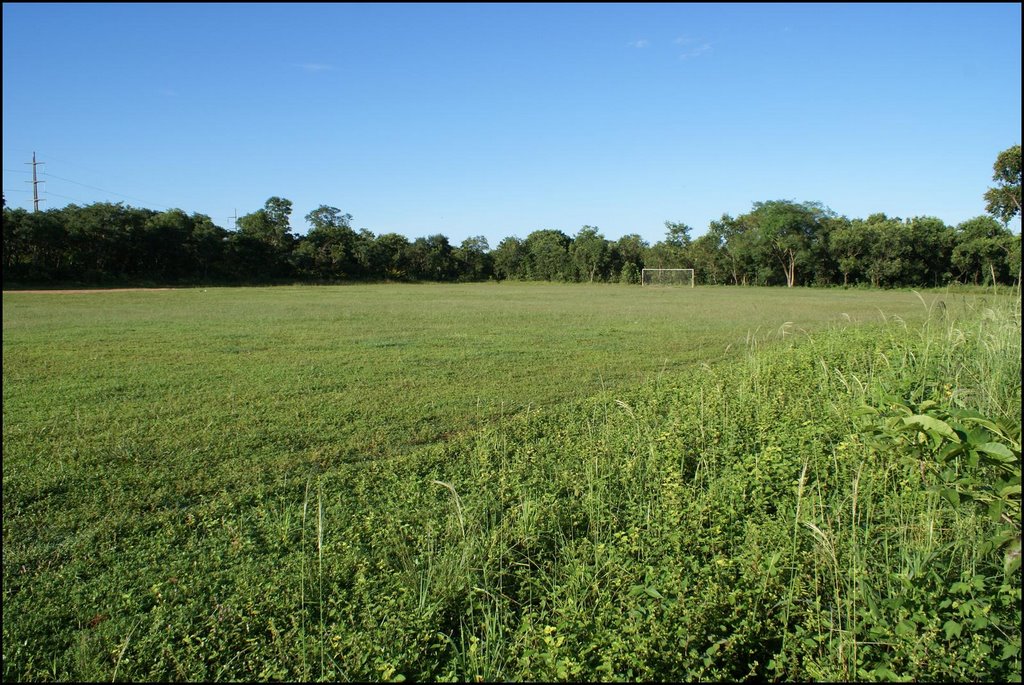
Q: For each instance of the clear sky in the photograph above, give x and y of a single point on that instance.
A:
(499, 120)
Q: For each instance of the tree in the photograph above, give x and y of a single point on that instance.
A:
(474, 262)
(548, 255)
(821, 263)
(672, 252)
(263, 241)
(431, 258)
(1003, 201)
(983, 250)
(369, 255)
(392, 255)
(677, 233)
(102, 239)
(1013, 260)
(589, 253)
(206, 246)
(269, 225)
(278, 211)
(888, 249)
(629, 274)
(707, 257)
(510, 258)
(17, 242)
(327, 217)
(849, 243)
(328, 249)
(736, 239)
(626, 257)
(929, 247)
(161, 247)
(787, 230)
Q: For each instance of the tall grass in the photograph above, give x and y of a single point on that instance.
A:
(772, 524)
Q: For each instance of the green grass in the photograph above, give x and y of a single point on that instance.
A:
(367, 371)
(510, 481)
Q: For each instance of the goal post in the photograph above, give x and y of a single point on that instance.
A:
(667, 277)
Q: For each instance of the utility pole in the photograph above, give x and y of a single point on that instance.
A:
(35, 184)
(234, 220)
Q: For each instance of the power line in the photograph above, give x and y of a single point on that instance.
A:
(73, 164)
(66, 197)
(79, 183)
(57, 159)
(84, 185)
(36, 181)
(104, 190)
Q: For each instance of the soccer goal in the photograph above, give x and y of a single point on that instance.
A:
(666, 277)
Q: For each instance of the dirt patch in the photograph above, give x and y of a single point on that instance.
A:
(93, 290)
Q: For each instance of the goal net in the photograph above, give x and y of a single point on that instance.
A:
(666, 277)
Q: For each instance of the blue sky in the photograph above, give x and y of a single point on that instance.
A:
(499, 120)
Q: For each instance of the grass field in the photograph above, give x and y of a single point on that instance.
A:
(503, 481)
(366, 371)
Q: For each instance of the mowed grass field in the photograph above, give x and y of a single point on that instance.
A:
(351, 373)
(411, 481)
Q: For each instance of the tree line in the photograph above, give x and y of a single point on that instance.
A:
(779, 242)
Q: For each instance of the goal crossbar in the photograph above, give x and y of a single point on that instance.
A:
(666, 276)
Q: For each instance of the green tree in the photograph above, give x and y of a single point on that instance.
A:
(206, 247)
(822, 267)
(736, 240)
(548, 252)
(368, 254)
(263, 242)
(511, 259)
(162, 246)
(677, 234)
(327, 217)
(1003, 201)
(1013, 261)
(849, 243)
(270, 224)
(17, 242)
(102, 240)
(328, 250)
(706, 256)
(431, 258)
(672, 251)
(36, 246)
(787, 230)
(392, 256)
(473, 260)
(629, 274)
(929, 245)
(888, 250)
(626, 257)
(983, 250)
(589, 253)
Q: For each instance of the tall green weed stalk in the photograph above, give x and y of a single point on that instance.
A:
(917, 529)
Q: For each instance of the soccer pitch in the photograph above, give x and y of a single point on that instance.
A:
(362, 371)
